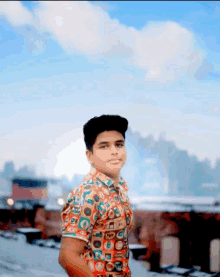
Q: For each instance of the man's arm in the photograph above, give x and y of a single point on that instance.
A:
(151, 247)
(69, 258)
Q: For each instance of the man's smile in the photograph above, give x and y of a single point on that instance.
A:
(115, 161)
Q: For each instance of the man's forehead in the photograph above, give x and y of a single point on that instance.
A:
(107, 136)
(110, 139)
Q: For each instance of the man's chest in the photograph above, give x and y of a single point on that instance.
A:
(109, 234)
(115, 216)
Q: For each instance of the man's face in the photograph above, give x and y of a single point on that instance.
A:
(109, 145)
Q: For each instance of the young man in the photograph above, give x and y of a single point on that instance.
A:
(98, 216)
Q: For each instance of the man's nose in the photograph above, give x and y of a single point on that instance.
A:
(113, 149)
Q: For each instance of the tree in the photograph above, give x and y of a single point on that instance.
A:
(9, 170)
(216, 171)
(207, 174)
(162, 136)
(26, 171)
(195, 177)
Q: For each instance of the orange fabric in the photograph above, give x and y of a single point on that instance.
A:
(99, 213)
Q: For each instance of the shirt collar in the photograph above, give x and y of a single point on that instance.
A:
(96, 173)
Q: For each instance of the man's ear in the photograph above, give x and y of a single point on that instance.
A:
(88, 155)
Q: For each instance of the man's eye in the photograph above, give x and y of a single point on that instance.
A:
(103, 146)
(117, 145)
(120, 144)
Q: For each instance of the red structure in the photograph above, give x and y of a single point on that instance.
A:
(29, 189)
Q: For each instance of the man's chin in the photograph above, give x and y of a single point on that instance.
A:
(110, 170)
(113, 170)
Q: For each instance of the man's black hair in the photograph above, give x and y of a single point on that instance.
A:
(97, 125)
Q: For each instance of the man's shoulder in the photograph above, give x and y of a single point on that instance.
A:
(123, 184)
(86, 191)
(90, 184)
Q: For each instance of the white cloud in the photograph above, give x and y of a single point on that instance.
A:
(58, 148)
(39, 146)
(164, 50)
(76, 26)
(15, 13)
(192, 132)
(72, 159)
(104, 6)
(66, 154)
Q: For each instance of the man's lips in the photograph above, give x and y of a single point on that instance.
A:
(115, 160)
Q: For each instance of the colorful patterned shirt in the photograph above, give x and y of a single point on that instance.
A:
(98, 211)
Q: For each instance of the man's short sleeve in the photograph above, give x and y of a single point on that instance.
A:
(125, 186)
(80, 213)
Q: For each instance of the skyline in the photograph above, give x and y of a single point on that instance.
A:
(158, 66)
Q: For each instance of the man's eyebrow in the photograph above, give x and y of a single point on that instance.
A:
(105, 142)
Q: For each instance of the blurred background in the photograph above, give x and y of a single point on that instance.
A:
(155, 63)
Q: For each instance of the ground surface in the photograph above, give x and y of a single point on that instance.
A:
(20, 259)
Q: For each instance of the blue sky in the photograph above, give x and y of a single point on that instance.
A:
(156, 63)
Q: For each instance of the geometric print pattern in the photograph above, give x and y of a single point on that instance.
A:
(99, 212)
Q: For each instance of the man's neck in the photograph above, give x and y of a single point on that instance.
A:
(116, 180)
(114, 177)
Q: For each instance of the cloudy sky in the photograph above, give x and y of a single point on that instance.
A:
(62, 63)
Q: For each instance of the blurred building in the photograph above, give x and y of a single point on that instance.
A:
(5, 187)
(5, 192)
(30, 189)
